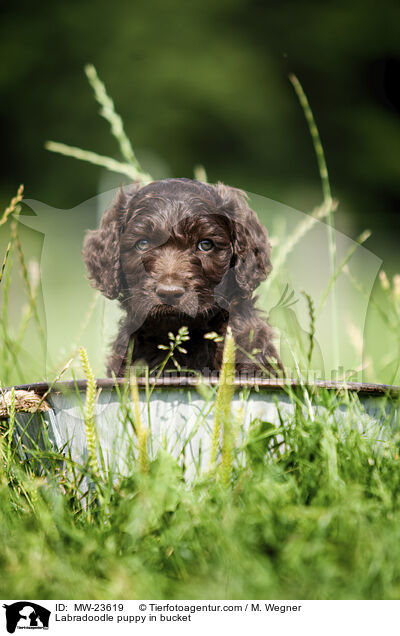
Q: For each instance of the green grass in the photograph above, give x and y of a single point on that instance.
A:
(306, 509)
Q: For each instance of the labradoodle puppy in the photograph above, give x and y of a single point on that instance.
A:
(180, 252)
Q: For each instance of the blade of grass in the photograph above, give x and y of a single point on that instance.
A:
(225, 392)
(98, 160)
(89, 415)
(13, 205)
(42, 399)
(359, 241)
(6, 255)
(86, 319)
(141, 431)
(200, 173)
(7, 348)
(30, 294)
(321, 212)
(311, 313)
(108, 112)
(328, 201)
(367, 295)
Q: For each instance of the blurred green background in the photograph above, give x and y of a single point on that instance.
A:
(206, 82)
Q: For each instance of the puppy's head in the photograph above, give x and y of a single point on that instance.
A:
(178, 247)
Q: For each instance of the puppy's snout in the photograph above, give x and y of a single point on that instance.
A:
(169, 293)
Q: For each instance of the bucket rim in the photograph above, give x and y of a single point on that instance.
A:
(166, 382)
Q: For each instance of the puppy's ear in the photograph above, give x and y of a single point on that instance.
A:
(101, 248)
(251, 247)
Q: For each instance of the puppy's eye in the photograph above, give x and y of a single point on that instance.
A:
(141, 245)
(205, 245)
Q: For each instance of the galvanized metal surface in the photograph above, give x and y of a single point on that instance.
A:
(181, 420)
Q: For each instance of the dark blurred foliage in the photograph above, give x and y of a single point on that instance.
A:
(206, 82)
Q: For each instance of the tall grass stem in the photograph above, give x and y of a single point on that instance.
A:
(223, 417)
(108, 112)
(89, 415)
(141, 431)
(327, 196)
(99, 160)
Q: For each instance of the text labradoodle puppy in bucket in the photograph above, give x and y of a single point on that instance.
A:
(180, 252)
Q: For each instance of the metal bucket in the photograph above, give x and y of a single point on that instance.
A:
(180, 416)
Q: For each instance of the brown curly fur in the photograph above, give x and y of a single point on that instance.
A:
(212, 289)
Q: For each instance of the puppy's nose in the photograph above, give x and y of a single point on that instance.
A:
(169, 293)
